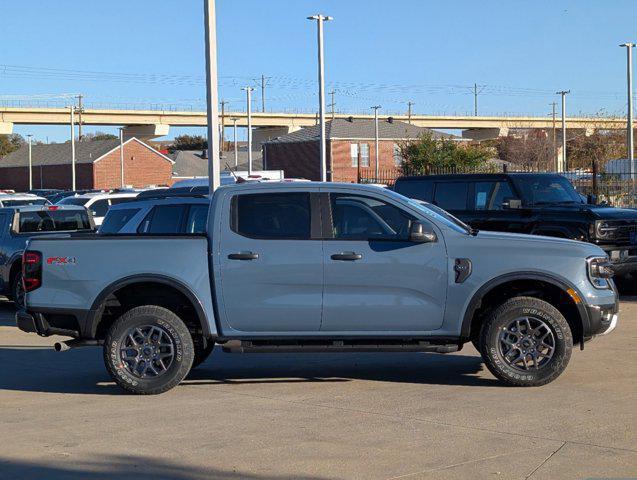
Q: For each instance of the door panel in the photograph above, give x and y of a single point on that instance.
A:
(375, 279)
(271, 268)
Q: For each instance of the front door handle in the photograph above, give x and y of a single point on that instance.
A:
(243, 256)
(347, 256)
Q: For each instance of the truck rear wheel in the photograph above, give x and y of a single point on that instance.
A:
(17, 290)
(148, 350)
(526, 342)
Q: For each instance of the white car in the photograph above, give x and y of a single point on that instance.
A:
(99, 203)
(21, 199)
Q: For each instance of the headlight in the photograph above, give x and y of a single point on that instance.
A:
(604, 229)
(599, 271)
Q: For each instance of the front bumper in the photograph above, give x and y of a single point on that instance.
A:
(602, 319)
(623, 258)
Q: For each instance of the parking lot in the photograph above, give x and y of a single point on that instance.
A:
(403, 415)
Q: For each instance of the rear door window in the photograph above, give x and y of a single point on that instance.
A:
(451, 195)
(197, 219)
(272, 216)
(164, 219)
(116, 219)
(99, 208)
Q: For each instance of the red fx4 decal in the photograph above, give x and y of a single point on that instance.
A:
(61, 261)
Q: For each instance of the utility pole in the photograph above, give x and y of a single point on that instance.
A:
(333, 104)
(30, 164)
(554, 105)
(409, 105)
(210, 26)
(475, 98)
(562, 165)
(223, 124)
(72, 108)
(234, 134)
(262, 83)
(375, 108)
(121, 156)
(629, 116)
(80, 110)
(249, 114)
(323, 156)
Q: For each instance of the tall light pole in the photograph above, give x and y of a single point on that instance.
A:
(375, 108)
(72, 108)
(563, 165)
(409, 105)
(319, 23)
(629, 116)
(121, 155)
(249, 115)
(30, 164)
(234, 139)
(214, 173)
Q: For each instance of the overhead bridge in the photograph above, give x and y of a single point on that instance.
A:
(155, 123)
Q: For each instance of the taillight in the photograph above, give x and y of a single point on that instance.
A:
(31, 270)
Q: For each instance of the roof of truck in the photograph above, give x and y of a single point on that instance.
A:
(473, 176)
(39, 208)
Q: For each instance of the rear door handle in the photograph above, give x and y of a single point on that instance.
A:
(347, 256)
(243, 256)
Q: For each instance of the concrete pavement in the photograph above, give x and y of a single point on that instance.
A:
(313, 416)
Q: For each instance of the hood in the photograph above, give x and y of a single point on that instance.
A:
(611, 213)
(521, 237)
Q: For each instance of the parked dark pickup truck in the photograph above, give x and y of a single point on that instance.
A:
(19, 224)
(533, 203)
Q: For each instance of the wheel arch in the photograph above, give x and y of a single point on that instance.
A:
(95, 315)
(576, 313)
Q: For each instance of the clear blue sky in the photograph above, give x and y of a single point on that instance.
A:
(377, 52)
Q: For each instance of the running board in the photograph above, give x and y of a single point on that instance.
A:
(316, 346)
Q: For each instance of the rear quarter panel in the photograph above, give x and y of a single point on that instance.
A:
(99, 262)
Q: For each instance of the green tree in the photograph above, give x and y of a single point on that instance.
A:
(429, 153)
(10, 143)
(189, 142)
(99, 136)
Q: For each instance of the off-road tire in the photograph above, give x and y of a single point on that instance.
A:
(533, 308)
(201, 353)
(173, 326)
(17, 290)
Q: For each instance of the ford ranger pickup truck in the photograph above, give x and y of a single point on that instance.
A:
(308, 267)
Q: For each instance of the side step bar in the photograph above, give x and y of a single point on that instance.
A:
(316, 346)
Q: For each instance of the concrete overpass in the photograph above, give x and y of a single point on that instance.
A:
(156, 123)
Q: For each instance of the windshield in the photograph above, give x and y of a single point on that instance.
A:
(74, 201)
(54, 221)
(26, 201)
(547, 190)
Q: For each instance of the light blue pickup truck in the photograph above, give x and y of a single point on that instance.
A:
(307, 267)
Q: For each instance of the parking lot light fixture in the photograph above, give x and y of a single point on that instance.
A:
(375, 108)
(29, 137)
(248, 91)
(629, 117)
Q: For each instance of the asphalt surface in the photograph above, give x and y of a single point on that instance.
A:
(313, 416)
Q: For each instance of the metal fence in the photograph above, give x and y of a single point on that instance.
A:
(613, 184)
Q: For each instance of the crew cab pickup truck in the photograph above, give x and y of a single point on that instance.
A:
(307, 267)
(20, 223)
(533, 203)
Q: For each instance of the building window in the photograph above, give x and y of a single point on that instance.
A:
(398, 156)
(364, 154)
(354, 154)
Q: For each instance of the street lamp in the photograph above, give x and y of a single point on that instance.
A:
(214, 171)
(375, 108)
(72, 108)
(561, 166)
(629, 117)
(121, 155)
(234, 139)
(319, 23)
(249, 115)
(30, 164)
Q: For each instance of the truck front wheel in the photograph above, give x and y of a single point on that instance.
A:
(526, 342)
(148, 350)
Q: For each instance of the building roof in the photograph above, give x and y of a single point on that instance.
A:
(346, 129)
(193, 163)
(60, 153)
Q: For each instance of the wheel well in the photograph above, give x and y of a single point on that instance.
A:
(543, 290)
(148, 293)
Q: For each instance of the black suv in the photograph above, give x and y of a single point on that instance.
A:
(534, 203)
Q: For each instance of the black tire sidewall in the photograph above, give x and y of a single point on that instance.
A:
(533, 308)
(15, 283)
(174, 327)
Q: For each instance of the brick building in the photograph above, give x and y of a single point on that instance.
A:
(97, 165)
(350, 147)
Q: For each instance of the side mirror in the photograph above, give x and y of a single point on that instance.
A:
(510, 202)
(418, 233)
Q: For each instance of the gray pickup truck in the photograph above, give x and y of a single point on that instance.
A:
(308, 267)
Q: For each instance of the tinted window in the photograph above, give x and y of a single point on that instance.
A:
(491, 195)
(54, 221)
(115, 201)
(73, 201)
(116, 219)
(546, 189)
(164, 219)
(273, 215)
(418, 189)
(99, 208)
(18, 203)
(451, 195)
(197, 219)
(356, 217)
